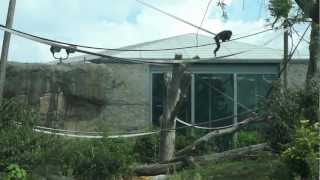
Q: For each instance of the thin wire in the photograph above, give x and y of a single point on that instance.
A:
(204, 15)
(289, 59)
(226, 95)
(131, 60)
(123, 49)
(299, 35)
(222, 93)
(175, 17)
(291, 55)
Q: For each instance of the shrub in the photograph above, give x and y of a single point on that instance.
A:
(44, 155)
(19, 143)
(98, 159)
(302, 155)
(285, 109)
(247, 138)
(146, 149)
(14, 172)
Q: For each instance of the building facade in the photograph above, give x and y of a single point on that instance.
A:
(88, 92)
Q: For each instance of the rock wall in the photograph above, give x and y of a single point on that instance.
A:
(83, 96)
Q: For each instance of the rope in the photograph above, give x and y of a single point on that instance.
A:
(199, 127)
(63, 132)
(93, 136)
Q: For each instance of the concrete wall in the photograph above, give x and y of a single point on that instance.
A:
(297, 72)
(90, 96)
(83, 96)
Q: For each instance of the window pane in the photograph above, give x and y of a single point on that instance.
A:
(214, 98)
(251, 88)
(158, 99)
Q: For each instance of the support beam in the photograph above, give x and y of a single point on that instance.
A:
(285, 57)
(5, 47)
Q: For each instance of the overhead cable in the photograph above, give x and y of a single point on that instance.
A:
(175, 17)
(130, 60)
(289, 59)
(124, 49)
(204, 15)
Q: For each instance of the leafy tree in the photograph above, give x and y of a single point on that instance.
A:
(303, 10)
(302, 155)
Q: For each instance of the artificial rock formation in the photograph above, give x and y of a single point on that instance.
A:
(82, 96)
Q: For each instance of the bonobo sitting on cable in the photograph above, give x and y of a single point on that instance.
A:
(224, 36)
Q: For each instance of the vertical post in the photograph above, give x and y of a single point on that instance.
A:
(193, 101)
(5, 47)
(285, 56)
(235, 107)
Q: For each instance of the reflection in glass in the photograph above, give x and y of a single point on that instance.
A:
(214, 98)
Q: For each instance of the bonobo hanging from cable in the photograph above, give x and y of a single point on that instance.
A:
(224, 36)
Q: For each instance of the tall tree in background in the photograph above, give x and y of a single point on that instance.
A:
(301, 11)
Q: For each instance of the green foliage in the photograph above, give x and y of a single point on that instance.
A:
(216, 144)
(14, 172)
(247, 138)
(187, 137)
(97, 159)
(45, 155)
(19, 143)
(12, 113)
(284, 110)
(146, 149)
(303, 154)
(265, 167)
(280, 8)
(310, 102)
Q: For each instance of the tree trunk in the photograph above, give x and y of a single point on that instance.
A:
(175, 82)
(313, 76)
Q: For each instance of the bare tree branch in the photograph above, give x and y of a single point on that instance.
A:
(215, 133)
(176, 164)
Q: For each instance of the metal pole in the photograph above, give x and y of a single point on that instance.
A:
(235, 107)
(5, 47)
(285, 57)
(193, 101)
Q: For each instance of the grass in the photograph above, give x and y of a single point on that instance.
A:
(265, 167)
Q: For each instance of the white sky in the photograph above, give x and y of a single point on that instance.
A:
(112, 24)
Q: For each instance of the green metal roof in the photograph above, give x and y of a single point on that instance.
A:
(253, 52)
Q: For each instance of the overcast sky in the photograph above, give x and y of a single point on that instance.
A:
(116, 23)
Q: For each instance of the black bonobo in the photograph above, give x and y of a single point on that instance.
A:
(223, 36)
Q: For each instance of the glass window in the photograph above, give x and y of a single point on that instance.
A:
(251, 88)
(158, 95)
(214, 98)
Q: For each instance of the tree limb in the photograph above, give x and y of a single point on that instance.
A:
(176, 164)
(215, 133)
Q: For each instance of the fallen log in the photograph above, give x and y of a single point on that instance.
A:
(179, 163)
